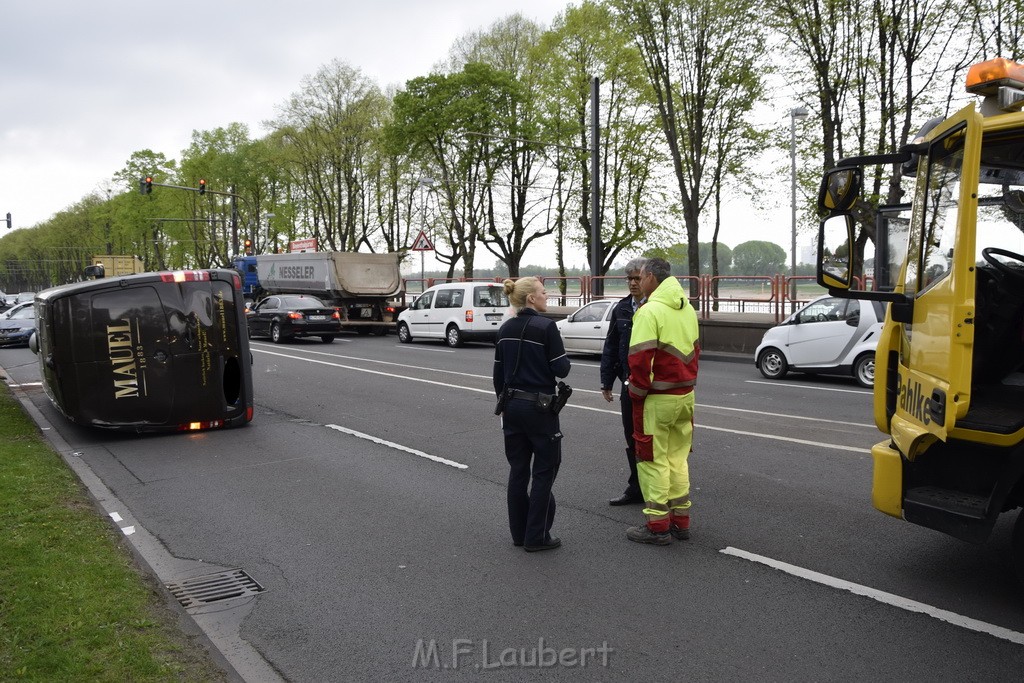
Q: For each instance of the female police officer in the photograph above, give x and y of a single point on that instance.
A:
(528, 356)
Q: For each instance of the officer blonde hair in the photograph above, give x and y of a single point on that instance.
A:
(518, 290)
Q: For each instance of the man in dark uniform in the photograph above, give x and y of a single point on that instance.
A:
(615, 365)
(528, 357)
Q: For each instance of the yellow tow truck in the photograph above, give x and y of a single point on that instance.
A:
(949, 368)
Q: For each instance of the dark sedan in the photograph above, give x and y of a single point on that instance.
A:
(286, 316)
(19, 327)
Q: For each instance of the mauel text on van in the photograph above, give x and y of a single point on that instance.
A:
(121, 351)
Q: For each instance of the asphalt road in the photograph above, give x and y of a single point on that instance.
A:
(367, 498)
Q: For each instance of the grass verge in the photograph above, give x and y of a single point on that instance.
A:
(73, 604)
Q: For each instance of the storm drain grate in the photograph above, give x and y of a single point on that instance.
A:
(216, 587)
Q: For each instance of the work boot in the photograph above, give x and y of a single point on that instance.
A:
(643, 534)
(680, 529)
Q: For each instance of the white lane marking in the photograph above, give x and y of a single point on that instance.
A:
(116, 517)
(808, 386)
(883, 597)
(582, 391)
(398, 447)
(817, 444)
(423, 348)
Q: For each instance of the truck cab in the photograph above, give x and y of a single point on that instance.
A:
(949, 368)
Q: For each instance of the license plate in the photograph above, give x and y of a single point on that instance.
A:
(492, 316)
(318, 317)
(366, 313)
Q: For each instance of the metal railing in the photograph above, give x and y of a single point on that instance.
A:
(750, 297)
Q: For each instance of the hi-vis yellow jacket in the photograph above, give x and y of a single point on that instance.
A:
(664, 346)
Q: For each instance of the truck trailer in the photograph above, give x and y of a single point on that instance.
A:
(361, 286)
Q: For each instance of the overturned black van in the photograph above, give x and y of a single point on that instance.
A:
(151, 352)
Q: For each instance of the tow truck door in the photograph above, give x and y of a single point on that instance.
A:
(931, 387)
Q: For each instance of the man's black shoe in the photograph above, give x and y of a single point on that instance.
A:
(552, 543)
(626, 499)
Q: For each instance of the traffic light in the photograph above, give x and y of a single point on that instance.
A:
(8, 220)
(146, 185)
(202, 186)
(248, 247)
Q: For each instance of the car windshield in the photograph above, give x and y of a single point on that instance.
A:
(302, 302)
(27, 313)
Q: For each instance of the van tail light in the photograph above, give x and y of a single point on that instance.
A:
(294, 316)
(248, 414)
(196, 426)
(236, 281)
(469, 316)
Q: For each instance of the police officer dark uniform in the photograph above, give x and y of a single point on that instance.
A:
(528, 357)
(615, 365)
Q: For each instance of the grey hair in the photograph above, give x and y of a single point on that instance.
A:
(635, 266)
(659, 268)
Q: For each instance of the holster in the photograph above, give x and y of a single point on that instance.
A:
(564, 391)
(502, 400)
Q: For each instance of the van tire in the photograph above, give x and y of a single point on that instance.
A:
(772, 363)
(453, 336)
(864, 370)
(327, 338)
(276, 335)
(403, 333)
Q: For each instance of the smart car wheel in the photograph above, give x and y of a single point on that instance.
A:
(772, 364)
(864, 370)
(276, 335)
(403, 333)
(453, 336)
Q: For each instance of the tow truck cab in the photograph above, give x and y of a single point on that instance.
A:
(949, 387)
(152, 352)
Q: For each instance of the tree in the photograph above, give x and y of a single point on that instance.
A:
(701, 60)
(757, 257)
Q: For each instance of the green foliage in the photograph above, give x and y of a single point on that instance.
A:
(757, 257)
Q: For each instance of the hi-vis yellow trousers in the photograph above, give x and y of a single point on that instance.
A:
(665, 480)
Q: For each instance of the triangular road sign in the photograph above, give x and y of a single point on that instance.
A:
(422, 243)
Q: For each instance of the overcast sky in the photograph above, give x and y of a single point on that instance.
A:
(85, 84)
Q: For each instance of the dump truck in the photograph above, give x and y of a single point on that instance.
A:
(114, 265)
(361, 286)
(949, 367)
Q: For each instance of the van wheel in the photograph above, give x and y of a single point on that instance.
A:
(864, 370)
(327, 338)
(276, 335)
(772, 363)
(403, 333)
(453, 336)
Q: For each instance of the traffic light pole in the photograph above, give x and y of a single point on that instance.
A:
(146, 186)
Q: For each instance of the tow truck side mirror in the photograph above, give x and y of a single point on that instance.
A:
(835, 251)
(840, 188)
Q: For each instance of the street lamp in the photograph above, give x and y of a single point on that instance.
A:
(794, 114)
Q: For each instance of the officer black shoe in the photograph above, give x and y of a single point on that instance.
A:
(551, 544)
(627, 498)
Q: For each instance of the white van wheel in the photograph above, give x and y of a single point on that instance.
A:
(453, 336)
(403, 333)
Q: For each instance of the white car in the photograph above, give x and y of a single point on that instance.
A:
(455, 312)
(830, 336)
(584, 330)
(6, 315)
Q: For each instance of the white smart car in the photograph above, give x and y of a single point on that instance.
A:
(829, 336)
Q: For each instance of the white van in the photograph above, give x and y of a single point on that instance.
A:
(455, 312)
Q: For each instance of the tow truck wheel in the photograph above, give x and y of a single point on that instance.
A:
(1017, 546)
(453, 336)
(864, 370)
(276, 335)
(403, 333)
(772, 363)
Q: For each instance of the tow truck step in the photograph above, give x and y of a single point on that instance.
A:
(947, 500)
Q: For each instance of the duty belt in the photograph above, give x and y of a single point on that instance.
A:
(526, 395)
